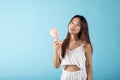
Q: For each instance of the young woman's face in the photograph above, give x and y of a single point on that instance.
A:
(74, 26)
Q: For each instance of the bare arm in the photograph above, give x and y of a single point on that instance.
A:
(56, 57)
(88, 54)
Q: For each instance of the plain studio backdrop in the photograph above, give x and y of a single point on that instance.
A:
(26, 46)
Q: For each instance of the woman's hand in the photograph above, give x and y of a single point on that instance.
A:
(57, 45)
(57, 49)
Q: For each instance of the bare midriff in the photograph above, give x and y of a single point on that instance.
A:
(72, 68)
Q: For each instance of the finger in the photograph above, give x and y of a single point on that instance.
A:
(56, 43)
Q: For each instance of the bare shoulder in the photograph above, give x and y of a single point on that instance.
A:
(83, 43)
(88, 48)
(87, 45)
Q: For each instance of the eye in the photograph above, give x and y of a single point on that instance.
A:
(78, 24)
(71, 22)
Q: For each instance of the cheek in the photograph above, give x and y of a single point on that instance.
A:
(69, 27)
(78, 29)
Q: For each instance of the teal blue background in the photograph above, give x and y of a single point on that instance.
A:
(26, 47)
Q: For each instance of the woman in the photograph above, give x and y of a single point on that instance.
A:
(75, 52)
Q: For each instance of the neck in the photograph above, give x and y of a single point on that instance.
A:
(74, 38)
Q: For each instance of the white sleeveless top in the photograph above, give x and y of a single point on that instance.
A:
(75, 57)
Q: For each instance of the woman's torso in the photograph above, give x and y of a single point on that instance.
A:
(75, 50)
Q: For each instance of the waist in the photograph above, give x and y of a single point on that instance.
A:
(71, 68)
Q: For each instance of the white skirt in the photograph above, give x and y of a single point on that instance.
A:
(77, 75)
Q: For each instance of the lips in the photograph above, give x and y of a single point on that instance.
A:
(72, 29)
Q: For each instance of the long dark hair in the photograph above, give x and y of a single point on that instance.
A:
(83, 35)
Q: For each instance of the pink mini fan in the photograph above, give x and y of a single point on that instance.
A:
(54, 33)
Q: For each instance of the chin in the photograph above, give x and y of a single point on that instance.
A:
(72, 33)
